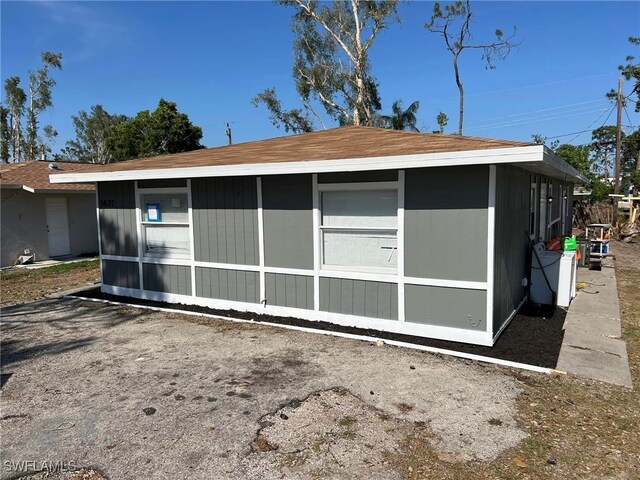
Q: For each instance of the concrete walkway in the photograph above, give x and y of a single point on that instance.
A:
(592, 345)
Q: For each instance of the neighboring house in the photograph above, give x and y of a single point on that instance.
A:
(49, 220)
(411, 233)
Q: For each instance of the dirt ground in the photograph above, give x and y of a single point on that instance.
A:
(139, 394)
(19, 285)
(250, 401)
(576, 428)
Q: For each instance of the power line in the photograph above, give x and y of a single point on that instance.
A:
(628, 117)
(536, 111)
(553, 116)
(591, 125)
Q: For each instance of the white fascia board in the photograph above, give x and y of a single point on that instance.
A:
(569, 172)
(530, 154)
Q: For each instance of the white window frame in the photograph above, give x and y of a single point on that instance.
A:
(140, 193)
(351, 187)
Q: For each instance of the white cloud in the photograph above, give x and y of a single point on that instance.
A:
(96, 30)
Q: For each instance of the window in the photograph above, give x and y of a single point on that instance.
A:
(542, 230)
(359, 229)
(533, 208)
(165, 224)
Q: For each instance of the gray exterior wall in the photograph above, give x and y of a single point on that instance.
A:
(288, 221)
(225, 220)
(235, 285)
(359, 297)
(118, 233)
(120, 274)
(167, 278)
(164, 183)
(446, 223)
(446, 307)
(358, 177)
(446, 215)
(24, 224)
(511, 241)
(295, 291)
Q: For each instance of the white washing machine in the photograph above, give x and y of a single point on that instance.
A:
(560, 269)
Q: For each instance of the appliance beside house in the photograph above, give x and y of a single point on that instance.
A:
(42, 220)
(410, 233)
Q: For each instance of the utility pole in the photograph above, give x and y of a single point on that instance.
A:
(228, 133)
(616, 167)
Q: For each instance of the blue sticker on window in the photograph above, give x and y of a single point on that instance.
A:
(153, 212)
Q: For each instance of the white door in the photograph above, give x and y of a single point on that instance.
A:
(58, 227)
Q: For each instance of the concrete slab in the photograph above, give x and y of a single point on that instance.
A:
(50, 263)
(592, 346)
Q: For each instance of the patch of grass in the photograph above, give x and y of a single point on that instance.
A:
(68, 267)
(21, 285)
(495, 422)
(384, 416)
(347, 421)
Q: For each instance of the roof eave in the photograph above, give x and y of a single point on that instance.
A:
(556, 162)
(526, 154)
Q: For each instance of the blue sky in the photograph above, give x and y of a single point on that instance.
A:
(213, 57)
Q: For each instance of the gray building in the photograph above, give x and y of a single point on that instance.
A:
(410, 233)
(49, 220)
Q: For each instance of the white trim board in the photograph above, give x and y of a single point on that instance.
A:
(441, 351)
(321, 273)
(476, 337)
(533, 157)
(491, 245)
(508, 320)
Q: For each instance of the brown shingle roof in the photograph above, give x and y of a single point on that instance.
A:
(332, 144)
(35, 175)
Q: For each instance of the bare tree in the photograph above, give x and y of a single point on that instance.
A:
(15, 100)
(331, 68)
(454, 25)
(40, 87)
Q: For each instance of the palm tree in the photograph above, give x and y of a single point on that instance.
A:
(401, 119)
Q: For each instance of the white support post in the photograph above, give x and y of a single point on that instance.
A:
(491, 236)
(139, 233)
(400, 246)
(316, 242)
(263, 288)
(192, 239)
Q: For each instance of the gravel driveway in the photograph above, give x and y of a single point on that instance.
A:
(230, 400)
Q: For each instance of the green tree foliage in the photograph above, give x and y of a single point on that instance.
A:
(40, 89)
(401, 119)
(542, 140)
(331, 68)
(603, 146)
(631, 72)
(442, 120)
(600, 189)
(92, 131)
(15, 99)
(161, 132)
(5, 134)
(453, 24)
(295, 120)
(577, 156)
(47, 138)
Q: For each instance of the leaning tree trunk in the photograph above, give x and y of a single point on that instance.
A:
(461, 90)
